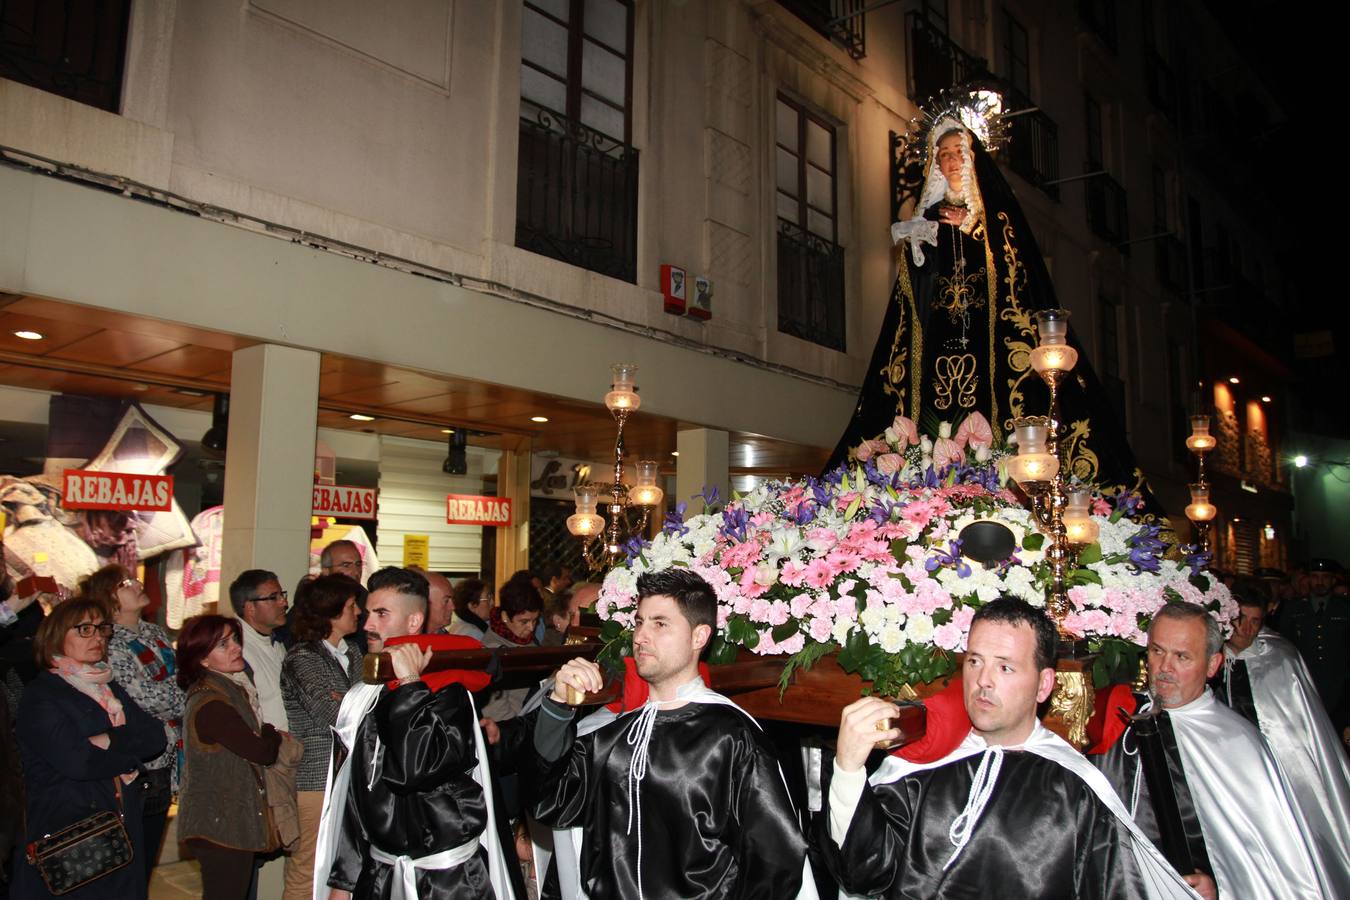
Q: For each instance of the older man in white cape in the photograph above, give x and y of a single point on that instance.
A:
(1264, 678)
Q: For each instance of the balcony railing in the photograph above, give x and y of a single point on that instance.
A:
(1170, 259)
(842, 21)
(1033, 143)
(576, 197)
(75, 50)
(936, 62)
(1106, 209)
(810, 287)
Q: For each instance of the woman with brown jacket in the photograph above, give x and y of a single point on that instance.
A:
(223, 810)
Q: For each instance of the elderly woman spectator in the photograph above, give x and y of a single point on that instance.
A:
(142, 661)
(512, 624)
(82, 741)
(315, 676)
(472, 600)
(222, 807)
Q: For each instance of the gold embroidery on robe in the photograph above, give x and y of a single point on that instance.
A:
(957, 381)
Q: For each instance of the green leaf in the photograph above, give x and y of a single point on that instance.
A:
(783, 632)
(1085, 576)
(1033, 541)
(1200, 582)
(610, 630)
(722, 652)
(1090, 554)
(898, 548)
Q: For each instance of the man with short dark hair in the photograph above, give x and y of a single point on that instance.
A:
(411, 803)
(1013, 812)
(260, 603)
(341, 558)
(1264, 678)
(681, 797)
(1193, 768)
(1318, 624)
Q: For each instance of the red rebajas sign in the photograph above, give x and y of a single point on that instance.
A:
(84, 489)
(465, 509)
(339, 502)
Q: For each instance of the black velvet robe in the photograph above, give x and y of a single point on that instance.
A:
(423, 800)
(1043, 834)
(716, 821)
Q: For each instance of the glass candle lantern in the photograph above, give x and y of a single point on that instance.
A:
(1200, 510)
(1200, 440)
(1033, 467)
(585, 522)
(623, 395)
(645, 491)
(1079, 526)
(1053, 353)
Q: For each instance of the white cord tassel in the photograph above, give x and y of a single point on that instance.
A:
(375, 759)
(980, 790)
(639, 736)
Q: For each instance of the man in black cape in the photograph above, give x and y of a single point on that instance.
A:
(1013, 812)
(682, 798)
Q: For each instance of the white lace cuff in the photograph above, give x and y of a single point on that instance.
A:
(918, 231)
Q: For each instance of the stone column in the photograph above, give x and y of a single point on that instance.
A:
(703, 462)
(269, 464)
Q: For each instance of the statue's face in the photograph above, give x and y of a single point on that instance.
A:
(950, 161)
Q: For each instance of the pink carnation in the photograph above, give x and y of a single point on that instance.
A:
(760, 610)
(949, 637)
(820, 629)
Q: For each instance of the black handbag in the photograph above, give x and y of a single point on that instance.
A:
(83, 852)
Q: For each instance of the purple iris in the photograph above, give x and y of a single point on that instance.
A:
(951, 558)
(633, 548)
(710, 496)
(1128, 502)
(674, 521)
(1197, 559)
(1146, 548)
(735, 523)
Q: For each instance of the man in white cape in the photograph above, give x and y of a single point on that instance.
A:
(408, 810)
(681, 798)
(1013, 812)
(1223, 775)
(1265, 679)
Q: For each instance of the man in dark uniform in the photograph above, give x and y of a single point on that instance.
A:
(1318, 624)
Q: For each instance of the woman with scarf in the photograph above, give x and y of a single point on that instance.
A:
(82, 741)
(142, 661)
(223, 810)
(512, 624)
(315, 676)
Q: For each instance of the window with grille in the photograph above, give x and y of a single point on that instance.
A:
(1092, 122)
(1016, 54)
(577, 177)
(74, 49)
(810, 260)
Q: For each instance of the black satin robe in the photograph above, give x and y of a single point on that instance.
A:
(423, 800)
(1043, 834)
(716, 821)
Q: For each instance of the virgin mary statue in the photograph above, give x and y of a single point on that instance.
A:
(959, 330)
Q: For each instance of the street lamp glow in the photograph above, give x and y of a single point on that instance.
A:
(1300, 461)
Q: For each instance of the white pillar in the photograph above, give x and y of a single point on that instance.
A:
(702, 463)
(269, 463)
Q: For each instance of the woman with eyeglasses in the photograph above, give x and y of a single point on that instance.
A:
(82, 741)
(315, 677)
(222, 806)
(142, 661)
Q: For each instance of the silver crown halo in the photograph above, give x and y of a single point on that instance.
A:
(980, 108)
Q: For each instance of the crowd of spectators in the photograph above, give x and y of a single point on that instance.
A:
(230, 719)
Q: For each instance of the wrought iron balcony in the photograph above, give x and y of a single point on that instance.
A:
(1170, 260)
(936, 62)
(842, 21)
(810, 287)
(1033, 143)
(576, 197)
(1106, 209)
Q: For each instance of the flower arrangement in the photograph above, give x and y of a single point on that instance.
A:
(868, 562)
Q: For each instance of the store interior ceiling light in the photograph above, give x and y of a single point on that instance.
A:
(674, 453)
(1265, 398)
(29, 335)
(1234, 380)
(358, 417)
(447, 431)
(540, 419)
